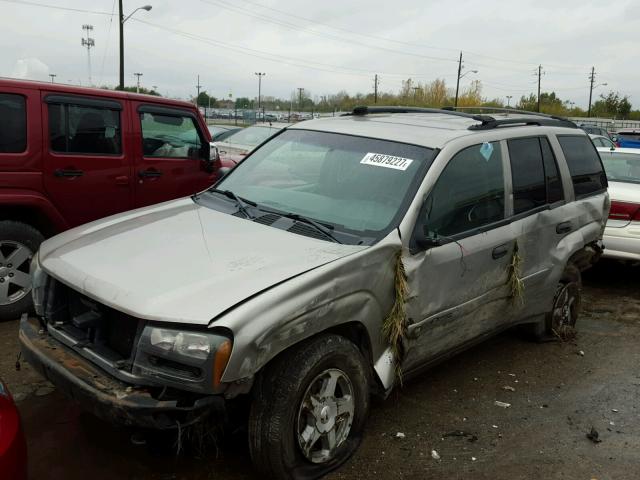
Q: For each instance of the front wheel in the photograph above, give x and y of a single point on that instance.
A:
(309, 409)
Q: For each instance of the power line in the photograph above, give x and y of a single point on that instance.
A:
(56, 7)
(272, 56)
(240, 10)
(106, 47)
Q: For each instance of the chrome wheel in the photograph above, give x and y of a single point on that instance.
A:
(325, 415)
(15, 282)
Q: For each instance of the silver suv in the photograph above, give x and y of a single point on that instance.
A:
(338, 259)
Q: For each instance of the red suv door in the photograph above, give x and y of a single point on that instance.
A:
(87, 172)
(172, 155)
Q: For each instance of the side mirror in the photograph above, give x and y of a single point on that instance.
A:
(425, 241)
(209, 153)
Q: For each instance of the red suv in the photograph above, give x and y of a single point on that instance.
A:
(70, 155)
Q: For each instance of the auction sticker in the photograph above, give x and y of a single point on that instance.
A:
(387, 161)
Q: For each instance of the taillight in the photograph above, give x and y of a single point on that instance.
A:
(624, 211)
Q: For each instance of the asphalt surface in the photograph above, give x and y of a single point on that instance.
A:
(557, 393)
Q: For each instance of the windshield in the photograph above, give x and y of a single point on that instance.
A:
(251, 136)
(353, 184)
(621, 167)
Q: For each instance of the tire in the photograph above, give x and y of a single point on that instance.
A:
(18, 241)
(286, 396)
(559, 323)
(561, 320)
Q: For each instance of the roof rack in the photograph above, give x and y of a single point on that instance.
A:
(487, 122)
(365, 110)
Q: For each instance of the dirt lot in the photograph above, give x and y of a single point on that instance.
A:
(560, 392)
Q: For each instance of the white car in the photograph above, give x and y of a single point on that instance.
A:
(622, 233)
(602, 141)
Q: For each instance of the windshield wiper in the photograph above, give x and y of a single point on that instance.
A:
(326, 230)
(240, 202)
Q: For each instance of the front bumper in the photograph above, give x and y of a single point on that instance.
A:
(105, 396)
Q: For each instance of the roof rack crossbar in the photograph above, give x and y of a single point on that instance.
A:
(365, 110)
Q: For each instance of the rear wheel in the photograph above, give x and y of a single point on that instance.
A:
(18, 243)
(559, 323)
(309, 409)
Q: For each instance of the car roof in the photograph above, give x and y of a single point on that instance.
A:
(431, 129)
(91, 91)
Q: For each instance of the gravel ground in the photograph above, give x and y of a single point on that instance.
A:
(557, 392)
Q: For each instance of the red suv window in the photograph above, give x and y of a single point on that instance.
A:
(13, 134)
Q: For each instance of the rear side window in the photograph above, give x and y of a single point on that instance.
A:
(84, 130)
(13, 132)
(584, 164)
(555, 192)
(469, 193)
(169, 136)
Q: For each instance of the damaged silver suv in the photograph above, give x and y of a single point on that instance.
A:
(340, 257)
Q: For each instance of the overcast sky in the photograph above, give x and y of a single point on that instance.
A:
(327, 46)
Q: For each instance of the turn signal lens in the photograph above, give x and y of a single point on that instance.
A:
(223, 353)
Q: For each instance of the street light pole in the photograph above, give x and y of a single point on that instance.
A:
(260, 75)
(123, 19)
(509, 97)
(138, 82)
(52, 75)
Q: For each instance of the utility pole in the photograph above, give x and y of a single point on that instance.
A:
(415, 94)
(375, 88)
(198, 90)
(455, 104)
(138, 82)
(592, 79)
(88, 42)
(300, 92)
(539, 81)
(53, 75)
(121, 25)
(260, 75)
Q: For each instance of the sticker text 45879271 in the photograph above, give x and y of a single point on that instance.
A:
(387, 161)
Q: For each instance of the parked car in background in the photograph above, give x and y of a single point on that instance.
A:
(70, 155)
(220, 132)
(13, 447)
(600, 141)
(622, 234)
(596, 130)
(237, 145)
(283, 286)
(628, 138)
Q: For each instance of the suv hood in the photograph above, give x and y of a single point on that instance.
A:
(180, 261)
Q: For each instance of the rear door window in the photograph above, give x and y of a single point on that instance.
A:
(170, 136)
(584, 164)
(13, 132)
(527, 171)
(81, 129)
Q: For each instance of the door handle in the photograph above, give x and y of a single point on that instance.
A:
(122, 180)
(564, 227)
(149, 173)
(67, 173)
(499, 252)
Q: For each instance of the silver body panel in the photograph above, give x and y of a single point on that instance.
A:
(178, 262)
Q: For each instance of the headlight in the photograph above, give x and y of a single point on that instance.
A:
(38, 284)
(183, 343)
(188, 360)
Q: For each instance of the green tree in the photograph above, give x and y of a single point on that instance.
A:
(205, 100)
